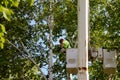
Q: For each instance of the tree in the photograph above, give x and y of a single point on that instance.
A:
(5, 13)
(13, 62)
(28, 31)
(104, 30)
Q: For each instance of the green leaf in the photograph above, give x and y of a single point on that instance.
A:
(2, 31)
(1, 45)
(1, 8)
(2, 28)
(15, 3)
(31, 2)
(6, 2)
(1, 34)
(2, 40)
(7, 13)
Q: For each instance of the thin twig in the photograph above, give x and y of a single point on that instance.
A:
(33, 61)
(27, 57)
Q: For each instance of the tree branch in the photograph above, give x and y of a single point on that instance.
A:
(33, 61)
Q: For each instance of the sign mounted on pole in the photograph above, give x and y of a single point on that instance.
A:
(109, 61)
(72, 60)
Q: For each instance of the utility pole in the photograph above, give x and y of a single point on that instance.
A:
(51, 44)
(83, 11)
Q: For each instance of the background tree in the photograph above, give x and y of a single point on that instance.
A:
(28, 36)
(5, 13)
(104, 32)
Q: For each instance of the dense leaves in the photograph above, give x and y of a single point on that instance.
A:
(5, 13)
(28, 36)
(104, 31)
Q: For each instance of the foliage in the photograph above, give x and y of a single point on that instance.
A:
(104, 31)
(5, 12)
(30, 25)
(14, 64)
(104, 24)
(96, 71)
(2, 31)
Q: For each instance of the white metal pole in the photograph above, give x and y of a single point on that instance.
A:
(51, 44)
(83, 6)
